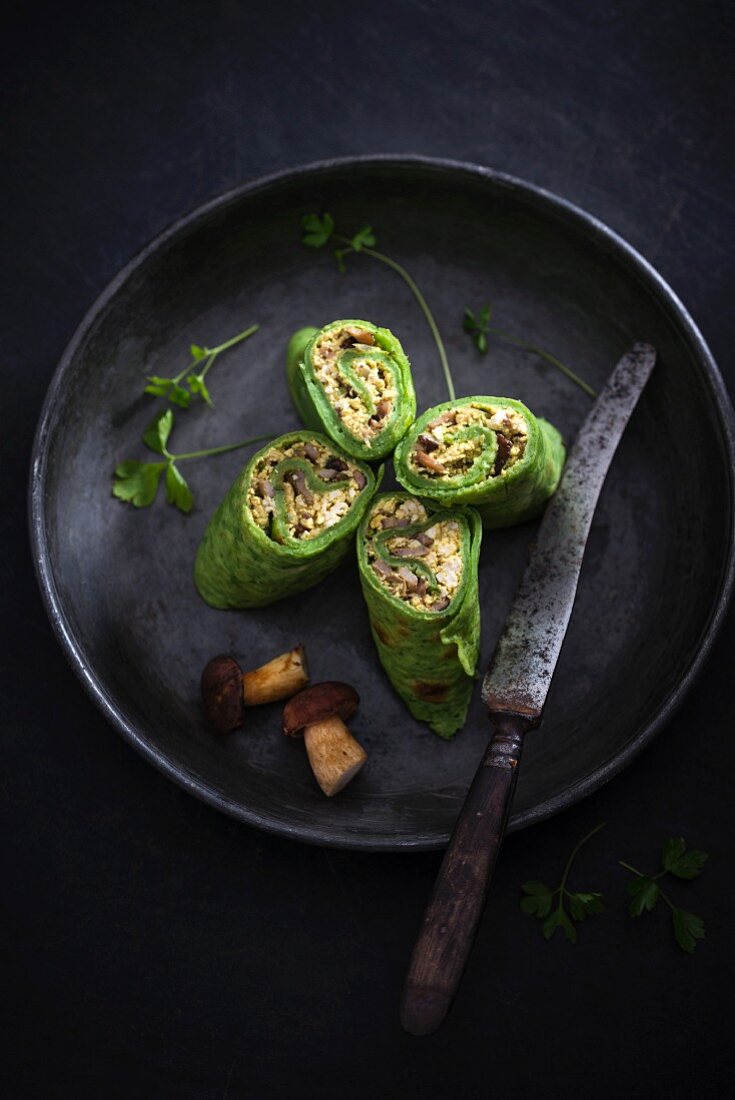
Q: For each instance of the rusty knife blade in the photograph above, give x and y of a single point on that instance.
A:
(522, 666)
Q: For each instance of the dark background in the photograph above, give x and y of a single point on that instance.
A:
(153, 947)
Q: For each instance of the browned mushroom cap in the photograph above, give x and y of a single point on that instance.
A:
(222, 694)
(318, 702)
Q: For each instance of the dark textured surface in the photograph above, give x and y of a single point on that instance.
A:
(141, 650)
(155, 947)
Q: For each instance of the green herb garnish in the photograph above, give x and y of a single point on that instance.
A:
(202, 358)
(318, 231)
(137, 482)
(539, 900)
(479, 327)
(645, 890)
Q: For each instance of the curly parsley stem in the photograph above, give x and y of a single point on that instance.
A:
(545, 355)
(234, 340)
(423, 305)
(573, 856)
(220, 450)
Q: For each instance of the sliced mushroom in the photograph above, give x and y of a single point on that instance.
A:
(297, 481)
(335, 463)
(441, 605)
(361, 336)
(448, 417)
(412, 581)
(429, 463)
(503, 451)
(428, 443)
(413, 550)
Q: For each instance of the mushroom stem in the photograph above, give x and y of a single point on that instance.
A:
(278, 679)
(334, 754)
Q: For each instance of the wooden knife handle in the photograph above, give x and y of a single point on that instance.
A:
(458, 899)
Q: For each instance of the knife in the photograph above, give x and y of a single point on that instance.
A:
(514, 690)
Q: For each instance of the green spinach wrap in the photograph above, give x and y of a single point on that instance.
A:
(418, 571)
(490, 452)
(353, 381)
(285, 524)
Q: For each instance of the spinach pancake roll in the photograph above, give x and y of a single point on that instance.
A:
(285, 524)
(490, 452)
(353, 381)
(418, 570)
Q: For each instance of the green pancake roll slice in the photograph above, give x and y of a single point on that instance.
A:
(490, 452)
(352, 380)
(287, 522)
(418, 571)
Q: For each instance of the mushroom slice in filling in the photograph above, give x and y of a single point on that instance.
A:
(442, 450)
(425, 566)
(310, 506)
(348, 381)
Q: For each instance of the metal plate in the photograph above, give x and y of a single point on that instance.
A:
(117, 582)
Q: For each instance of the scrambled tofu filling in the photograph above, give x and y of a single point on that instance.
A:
(441, 450)
(431, 570)
(374, 375)
(307, 511)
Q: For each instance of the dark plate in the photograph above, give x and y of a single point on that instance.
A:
(117, 581)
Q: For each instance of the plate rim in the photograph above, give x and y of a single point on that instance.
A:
(72, 649)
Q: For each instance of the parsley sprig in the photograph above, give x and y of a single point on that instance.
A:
(202, 360)
(478, 326)
(645, 891)
(318, 231)
(540, 899)
(137, 482)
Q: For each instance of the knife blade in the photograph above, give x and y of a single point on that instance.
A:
(514, 690)
(523, 663)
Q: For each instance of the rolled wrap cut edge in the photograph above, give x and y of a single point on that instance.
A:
(415, 647)
(515, 497)
(314, 407)
(238, 566)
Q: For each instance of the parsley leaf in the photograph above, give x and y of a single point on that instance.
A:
(559, 919)
(688, 928)
(340, 254)
(177, 491)
(679, 862)
(539, 900)
(170, 388)
(137, 482)
(645, 890)
(644, 893)
(585, 905)
(156, 434)
(177, 394)
(197, 385)
(317, 231)
(364, 238)
(477, 327)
